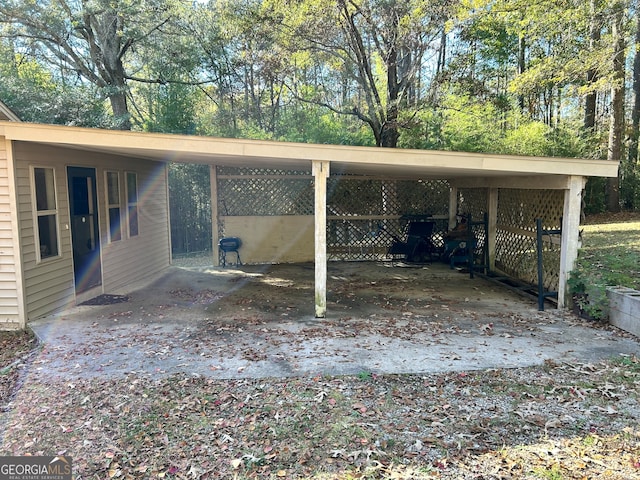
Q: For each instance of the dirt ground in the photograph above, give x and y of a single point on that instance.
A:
(257, 321)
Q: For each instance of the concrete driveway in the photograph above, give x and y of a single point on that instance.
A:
(257, 321)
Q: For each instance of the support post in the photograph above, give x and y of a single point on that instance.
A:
(213, 179)
(320, 174)
(492, 228)
(570, 234)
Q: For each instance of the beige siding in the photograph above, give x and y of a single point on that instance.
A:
(138, 258)
(49, 285)
(10, 287)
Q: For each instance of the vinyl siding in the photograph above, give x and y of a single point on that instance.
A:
(49, 285)
(144, 256)
(10, 291)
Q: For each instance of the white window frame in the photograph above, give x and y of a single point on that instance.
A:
(132, 204)
(44, 213)
(113, 205)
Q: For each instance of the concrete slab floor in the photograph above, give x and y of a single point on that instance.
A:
(257, 321)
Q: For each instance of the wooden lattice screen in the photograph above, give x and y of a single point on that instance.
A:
(472, 202)
(363, 214)
(516, 252)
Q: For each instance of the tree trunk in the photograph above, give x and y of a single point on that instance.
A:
(522, 67)
(592, 75)
(106, 53)
(632, 199)
(120, 110)
(389, 134)
(616, 129)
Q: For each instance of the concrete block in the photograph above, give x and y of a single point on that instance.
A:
(624, 309)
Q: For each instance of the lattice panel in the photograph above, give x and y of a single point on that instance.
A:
(249, 171)
(356, 239)
(421, 197)
(521, 208)
(472, 201)
(249, 192)
(369, 210)
(347, 195)
(516, 252)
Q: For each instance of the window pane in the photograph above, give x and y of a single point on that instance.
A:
(132, 188)
(133, 220)
(45, 189)
(113, 188)
(81, 201)
(114, 224)
(48, 236)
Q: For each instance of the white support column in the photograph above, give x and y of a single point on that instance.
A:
(453, 206)
(320, 174)
(492, 228)
(213, 179)
(570, 234)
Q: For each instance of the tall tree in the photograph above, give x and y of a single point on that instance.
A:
(617, 121)
(90, 38)
(591, 97)
(632, 189)
(378, 46)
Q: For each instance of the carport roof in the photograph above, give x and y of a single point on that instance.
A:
(298, 156)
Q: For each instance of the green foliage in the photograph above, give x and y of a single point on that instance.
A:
(32, 91)
(190, 208)
(609, 257)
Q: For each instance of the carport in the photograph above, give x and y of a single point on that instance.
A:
(293, 187)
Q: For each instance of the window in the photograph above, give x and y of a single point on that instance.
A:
(46, 212)
(113, 206)
(132, 203)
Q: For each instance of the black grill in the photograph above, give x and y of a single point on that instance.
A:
(228, 245)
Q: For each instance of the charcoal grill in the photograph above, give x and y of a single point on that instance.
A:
(230, 245)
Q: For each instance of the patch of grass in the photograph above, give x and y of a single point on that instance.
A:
(610, 256)
(552, 473)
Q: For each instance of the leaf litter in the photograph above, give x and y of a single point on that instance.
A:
(561, 420)
(577, 420)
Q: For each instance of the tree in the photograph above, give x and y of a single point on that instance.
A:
(90, 38)
(33, 92)
(631, 190)
(367, 55)
(617, 123)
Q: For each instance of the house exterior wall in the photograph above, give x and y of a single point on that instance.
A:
(49, 284)
(11, 300)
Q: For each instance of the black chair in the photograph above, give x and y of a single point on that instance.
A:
(228, 245)
(418, 247)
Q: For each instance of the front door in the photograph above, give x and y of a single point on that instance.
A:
(85, 237)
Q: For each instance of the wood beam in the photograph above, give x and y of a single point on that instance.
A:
(570, 235)
(533, 182)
